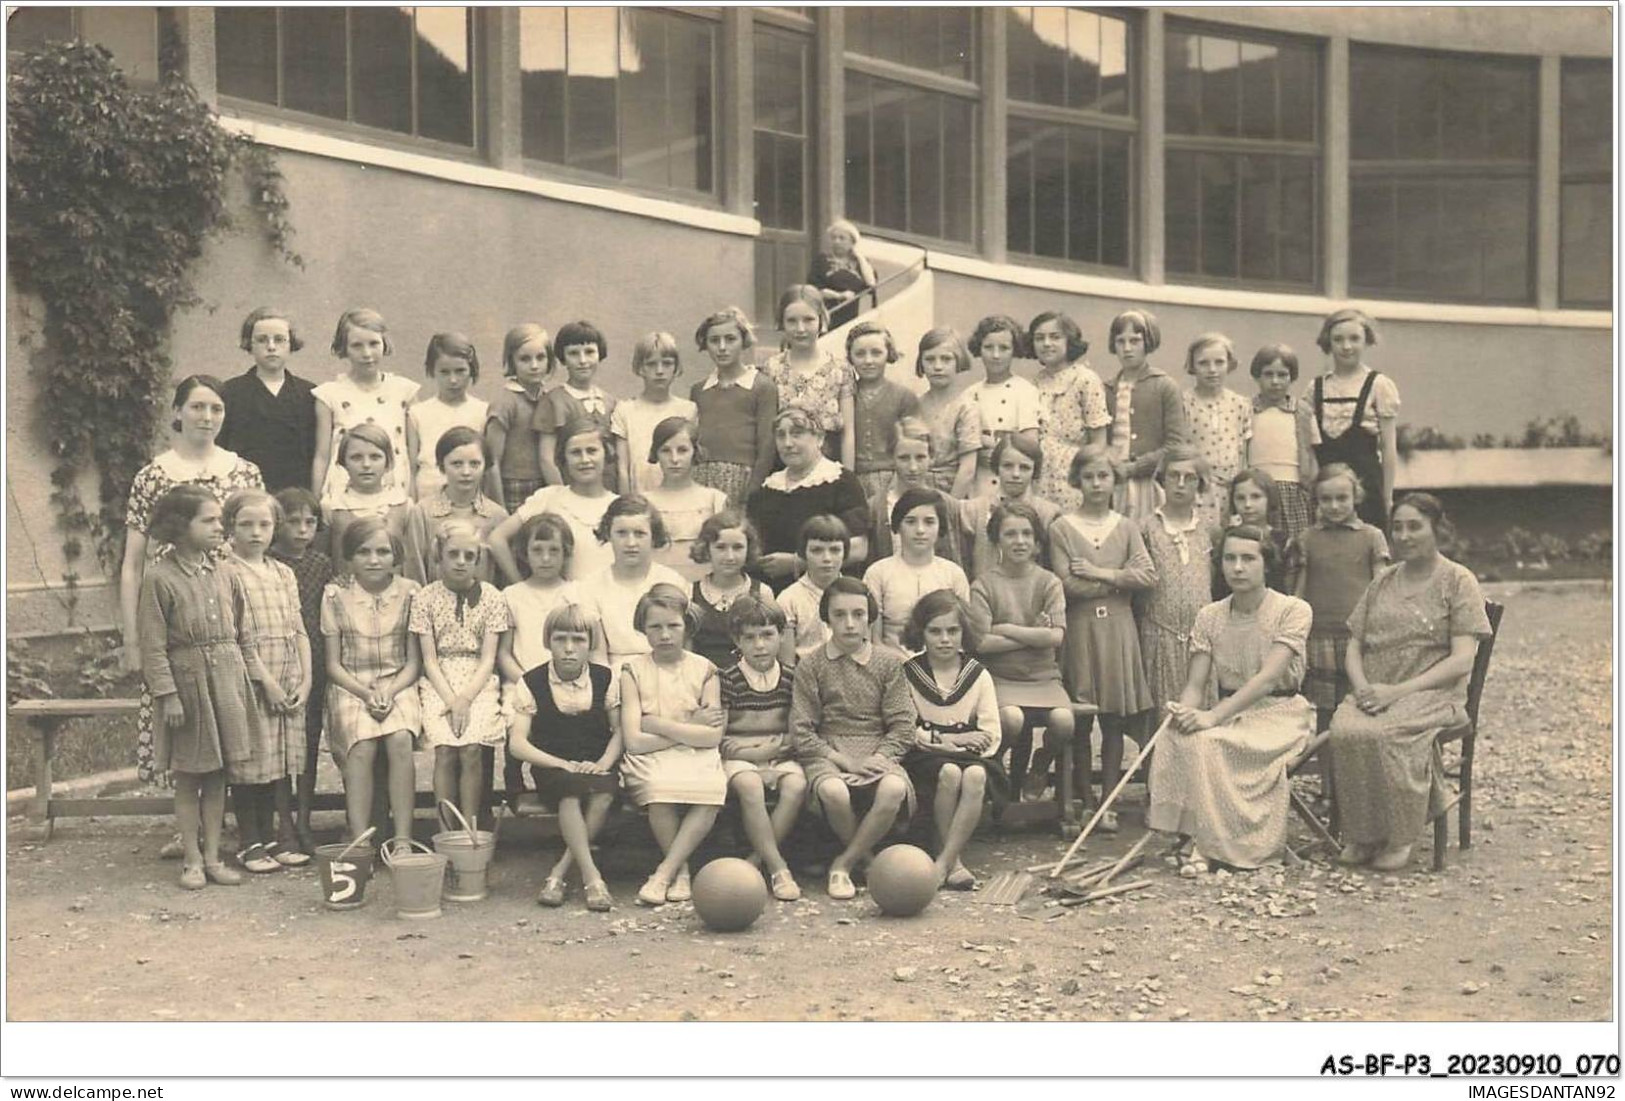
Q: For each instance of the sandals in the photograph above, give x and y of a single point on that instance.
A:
(681, 889)
(258, 860)
(192, 878)
(598, 897)
(287, 856)
(552, 892)
(840, 886)
(223, 875)
(653, 891)
(784, 886)
(960, 878)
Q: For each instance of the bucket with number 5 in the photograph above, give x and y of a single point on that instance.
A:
(343, 871)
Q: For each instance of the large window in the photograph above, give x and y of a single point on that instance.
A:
(935, 40)
(910, 158)
(1070, 152)
(625, 92)
(406, 70)
(783, 65)
(1243, 158)
(911, 121)
(1586, 266)
(1441, 189)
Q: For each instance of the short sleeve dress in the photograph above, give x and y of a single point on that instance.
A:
(1071, 401)
(956, 431)
(685, 511)
(1167, 612)
(383, 404)
(1219, 428)
(459, 627)
(1227, 786)
(372, 633)
(897, 586)
(677, 773)
(222, 474)
(1385, 767)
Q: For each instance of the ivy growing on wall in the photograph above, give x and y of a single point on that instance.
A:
(114, 191)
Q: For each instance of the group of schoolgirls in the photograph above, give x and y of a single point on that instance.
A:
(635, 649)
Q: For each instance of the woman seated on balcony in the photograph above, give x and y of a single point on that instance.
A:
(841, 273)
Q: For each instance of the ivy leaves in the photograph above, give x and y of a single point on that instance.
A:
(114, 192)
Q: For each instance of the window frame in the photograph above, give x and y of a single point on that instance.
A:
(1399, 171)
(476, 152)
(713, 199)
(1130, 123)
(933, 83)
(1582, 177)
(1238, 147)
(776, 239)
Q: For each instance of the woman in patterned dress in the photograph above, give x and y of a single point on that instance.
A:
(199, 412)
(1219, 775)
(1071, 402)
(1181, 547)
(1412, 640)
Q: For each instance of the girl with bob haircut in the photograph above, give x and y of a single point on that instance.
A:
(1220, 420)
(581, 348)
(954, 759)
(1148, 413)
(1356, 411)
(510, 430)
(683, 503)
(671, 724)
(583, 454)
(955, 423)
(196, 652)
(452, 364)
(728, 545)
(366, 457)
(655, 360)
(1072, 400)
(364, 394)
(878, 404)
(632, 529)
(1284, 435)
(736, 404)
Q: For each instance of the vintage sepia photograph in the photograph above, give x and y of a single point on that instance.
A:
(798, 515)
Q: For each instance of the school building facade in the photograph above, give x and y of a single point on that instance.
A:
(1239, 169)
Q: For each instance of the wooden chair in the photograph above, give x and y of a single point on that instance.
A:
(1466, 734)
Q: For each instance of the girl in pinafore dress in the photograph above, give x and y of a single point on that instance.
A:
(459, 620)
(1356, 412)
(372, 672)
(1071, 402)
(1180, 546)
(260, 787)
(1101, 560)
(194, 653)
(672, 722)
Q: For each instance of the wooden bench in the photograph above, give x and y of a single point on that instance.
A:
(46, 717)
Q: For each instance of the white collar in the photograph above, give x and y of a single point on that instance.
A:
(761, 682)
(745, 381)
(219, 464)
(824, 471)
(519, 388)
(835, 653)
(582, 681)
(1170, 529)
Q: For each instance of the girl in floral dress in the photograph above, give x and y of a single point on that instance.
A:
(1220, 420)
(1180, 546)
(1071, 402)
(810, 378)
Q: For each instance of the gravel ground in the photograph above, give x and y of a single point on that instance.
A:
(1517, 928)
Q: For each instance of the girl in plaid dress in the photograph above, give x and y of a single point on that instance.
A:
(281, 666)
(372, 670)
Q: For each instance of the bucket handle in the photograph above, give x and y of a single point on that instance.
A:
(388, 847)
(447, 804)
(368, 833)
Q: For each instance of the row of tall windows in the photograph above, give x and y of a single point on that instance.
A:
(1442, 146)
